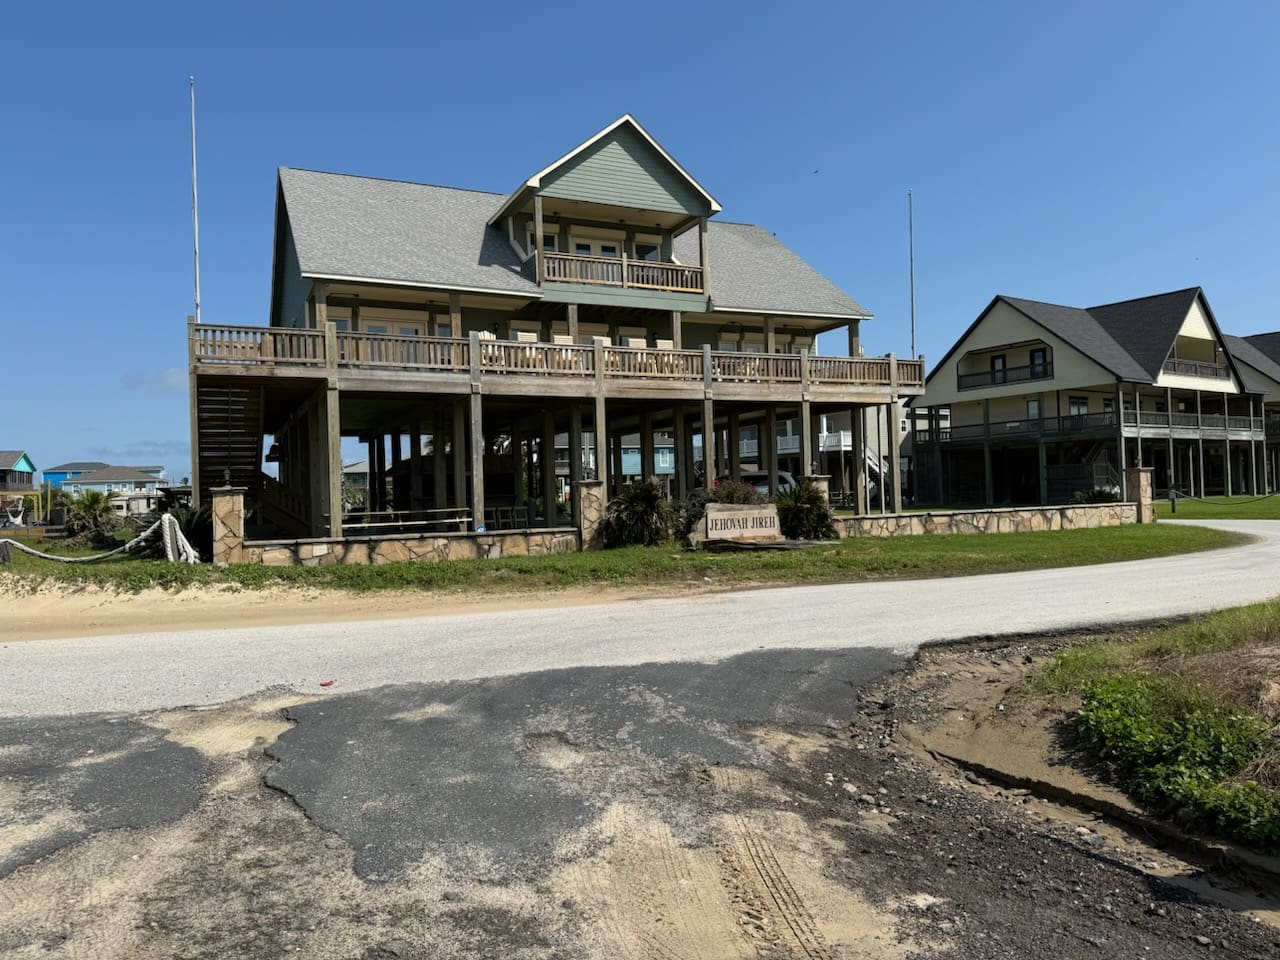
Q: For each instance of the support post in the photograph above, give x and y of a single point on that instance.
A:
(770, 337)
(807, 466)
(735, 447)
(677, 340)
(648, 469)
(680, 428)
(539, 263)
(572, 315)
(1226, 445)
(703, 253)
(333, 436)
(458, 447)
(769, 447)
(477, 460)
(1200, 444)
(600, 436)
(708, 444)
(455, 315)
(1168, 412)
(550, 490)
(895, 456)
(858, 451)
(228, 524)
(575, 455)
(439, 476)
(415, 463)
(988, 485)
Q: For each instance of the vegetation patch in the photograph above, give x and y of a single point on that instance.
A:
(1222, 508)
(1185, 718)
(845, 560)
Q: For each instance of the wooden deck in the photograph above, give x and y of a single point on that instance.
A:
(565, 370)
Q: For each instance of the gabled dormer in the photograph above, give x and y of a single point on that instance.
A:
(598, 225)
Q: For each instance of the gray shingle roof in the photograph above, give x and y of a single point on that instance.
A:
(400, 232)
(76, 466)
(1243, 349)
(752, 270)
(115, 475)
(1078, 328)
(9, 458)
(437, 236)
(1146, 327)
(1267, 343)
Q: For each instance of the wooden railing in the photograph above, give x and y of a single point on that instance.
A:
(248, 346)
(995, 378)
(1198, 368)
(1088, 423)
(621, 272)
(224, 344)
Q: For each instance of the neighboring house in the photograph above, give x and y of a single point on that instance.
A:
(17, 472)
(1259, 357)
(599, 300)
(59, 475)
(135, 490)
(1047, 400)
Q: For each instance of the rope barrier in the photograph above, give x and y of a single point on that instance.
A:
(177, 549)
(1221, 502)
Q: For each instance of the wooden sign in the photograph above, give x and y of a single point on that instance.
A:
(732, 521)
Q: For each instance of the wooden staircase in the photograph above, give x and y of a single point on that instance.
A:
(230, 436)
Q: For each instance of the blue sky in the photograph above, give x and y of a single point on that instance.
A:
(1078, 153)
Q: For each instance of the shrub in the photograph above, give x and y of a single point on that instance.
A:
(804, 514)
(689, 512)
(1096, 495)
(1174, 754)
(196, 526)
(639, 517)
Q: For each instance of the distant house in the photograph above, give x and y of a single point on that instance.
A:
(16, 472)
(136, 489)
(56, 476)
(1046, 400)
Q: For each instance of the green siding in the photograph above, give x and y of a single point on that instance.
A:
(623, 170)
(24, 465)
(294, 287)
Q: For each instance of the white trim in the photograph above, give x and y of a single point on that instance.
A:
(536, 180)
(716, 308)
(343, 278)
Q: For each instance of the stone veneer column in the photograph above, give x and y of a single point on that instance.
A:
(590, 498)
(228, 524)
(1137, 481)
(823, 482)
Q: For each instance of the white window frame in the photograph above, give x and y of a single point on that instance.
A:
(548, 230)
(648, 238)
(594, 238)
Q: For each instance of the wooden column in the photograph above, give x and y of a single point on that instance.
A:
(439, 475)
(1170, 483)
(320, 294)
(571, 313)
(988, 485)
(677, 340)
(1042, 453)
(682, 463)
(1200, 444)
(735, 447)
(708, 444)
(521, 478)
(333, 433)
(550, 489)
(539, 262)
(769, 447)
(415, 464)
(648, 468)
(600, 436)
(476, 438)
(458, 448)
(1226, 444)
(770, 338)
(615, 463)
(855, 341)
(806, 439)
(858, 455)
(895, 445)
(455, 314)
(935, 431)
(703, 252)
(575, 446)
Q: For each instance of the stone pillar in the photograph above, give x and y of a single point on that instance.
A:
(228, 524)
(823, 482)
(1137, 481)
(590, 497)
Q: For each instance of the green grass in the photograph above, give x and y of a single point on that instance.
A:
(1223, 508)
(847, 560)
(1180, 717)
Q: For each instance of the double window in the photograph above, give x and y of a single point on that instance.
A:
(1039, 363)
(1078, 406)
(593, 247)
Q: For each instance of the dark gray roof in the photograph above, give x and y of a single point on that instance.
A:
(1146, 327)
(1078, 328)
(1244, 350)
(1267, 343)
(76, 466)
(752, 270)
(116, 475)
(399, 232)
(424, 235)
(9, 458)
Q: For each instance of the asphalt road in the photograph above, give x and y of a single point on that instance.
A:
(151, 671)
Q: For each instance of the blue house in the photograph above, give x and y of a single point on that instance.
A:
(56, 476)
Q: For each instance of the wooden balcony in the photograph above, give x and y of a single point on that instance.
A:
(1150, 423)
(621, 272)
(559, 368)
(1198, 368)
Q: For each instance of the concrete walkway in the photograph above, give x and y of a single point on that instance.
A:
(150, 671)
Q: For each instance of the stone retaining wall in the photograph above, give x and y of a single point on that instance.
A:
(1002, 520)
(426, 548)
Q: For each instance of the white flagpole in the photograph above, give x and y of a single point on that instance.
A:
(911, 255)
(195, 200)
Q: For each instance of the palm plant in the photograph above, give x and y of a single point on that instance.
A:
(91, 517)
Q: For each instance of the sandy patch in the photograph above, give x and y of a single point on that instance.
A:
(231, 728)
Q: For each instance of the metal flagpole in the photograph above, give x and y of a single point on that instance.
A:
(911, 255)
(195, 200)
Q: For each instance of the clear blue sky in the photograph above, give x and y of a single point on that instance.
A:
(1082, 153)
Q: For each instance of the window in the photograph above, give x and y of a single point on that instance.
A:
(1108, 404)
(647, 251)
(1033, 409)
(1039, 362)
(548, 242)
(664, 458)
(997, 368)
(593, 247)
(1077, 406)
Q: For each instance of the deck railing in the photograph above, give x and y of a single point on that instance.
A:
(990, 378)
(622, 272)
(1198, 368)
(1088, 423)
(348, 350)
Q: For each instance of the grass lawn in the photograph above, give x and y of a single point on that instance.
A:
(1182, 717)
(846, 560)
(1223, 508)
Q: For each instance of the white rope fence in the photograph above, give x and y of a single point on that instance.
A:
(177, 549)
